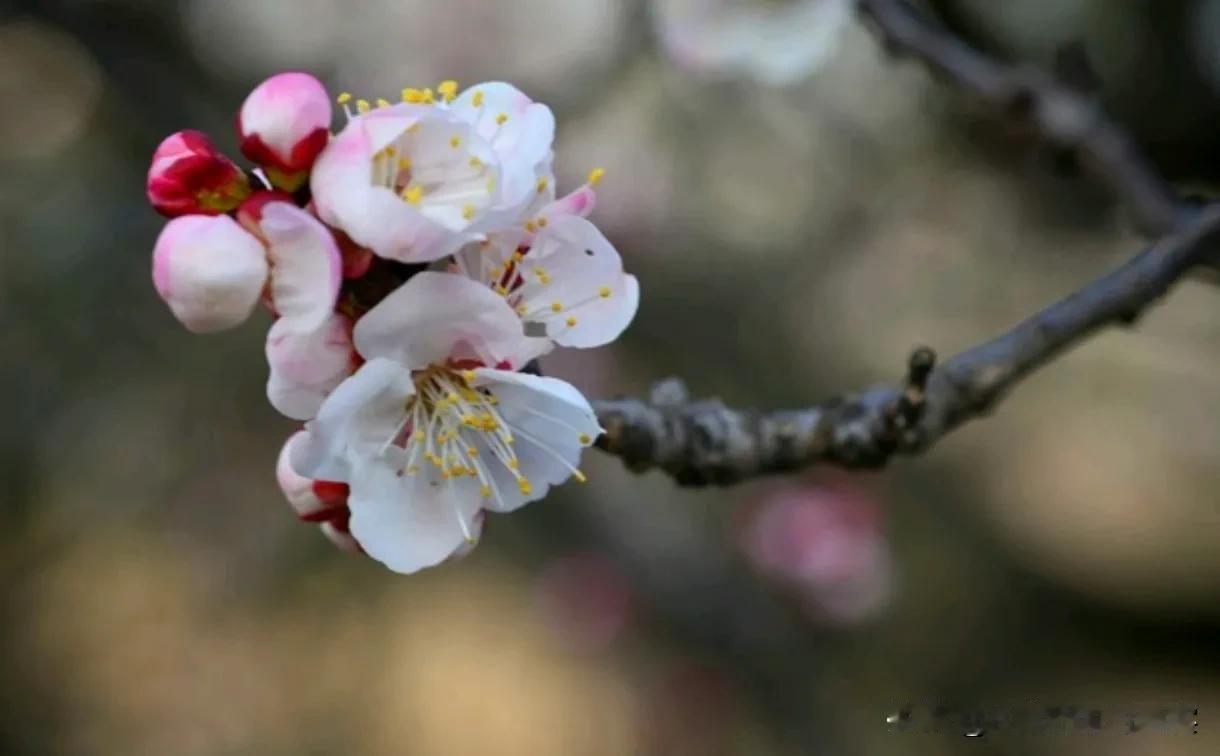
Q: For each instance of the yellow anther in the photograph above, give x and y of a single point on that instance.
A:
(571, 321)
(513, 464)
(413, 469)
(475, 163)
(412, 95)
(477, 99)
(584, 439)
(518, 256)
(595, 176)
(556, 307)
(404, 163)
(448, 89)
(522, 309)
(485, 491)
(580, 477)
(529, 226)
(542, 185)
(468, 375)
(472, 451)
(429, 97)
(524, 485)
(491, 184)
(383, 102)
(413, 194)
(418, 436)
(452, 397)
(541, 222)
(390, 151)
(344, 98)
(604, 292)
(455, 141)
(363, 106)
(501, 119)
(468, 212)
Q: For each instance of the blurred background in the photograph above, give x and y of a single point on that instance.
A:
(801, 210)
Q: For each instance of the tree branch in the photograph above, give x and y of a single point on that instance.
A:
(706, 442)
(1063, 117)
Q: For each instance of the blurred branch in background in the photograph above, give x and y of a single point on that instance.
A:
(705, 442)
(1029, 98)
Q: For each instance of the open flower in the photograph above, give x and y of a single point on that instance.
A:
(283, 125)
(188, 175)
(566, 282)
(416, 181)
(436, 427)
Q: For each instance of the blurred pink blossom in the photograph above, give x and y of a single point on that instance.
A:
(824, 541)
(585, 600)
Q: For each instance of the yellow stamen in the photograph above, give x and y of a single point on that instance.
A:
(383, 102)
(477, 99)
(412, 95)
(596, 175)
(501, 119)
(448, 89)
(571, 321)
(454, 141)
(344, 98)
(541, 222)
(476, 163)
(413, 194)
(604, 292)
(556, 307)
(580, 477)
(542, 184)
(362, 106)
(468, 212)
(524, 485)
(584, 439)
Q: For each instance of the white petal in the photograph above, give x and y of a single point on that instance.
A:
(582, 265)
(209, 270)
(409, 522)
(307, 365)
(374, 216)
(355, 421)
(306, 267)
(551, 421)
(437, 317)
(522, 143)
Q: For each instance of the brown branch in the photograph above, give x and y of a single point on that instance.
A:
(706, 442)
(1063, 117)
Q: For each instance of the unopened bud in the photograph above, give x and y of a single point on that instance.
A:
(189, 176)
(312, 500)
(283, 125)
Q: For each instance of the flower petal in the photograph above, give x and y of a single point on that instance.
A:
(307, 365)
(587, 300)
(310, 499)
(551, 421)
(306, 267)
(373, 215)
(355, 421)
(437, 317)
(209, 270)
(409, 522)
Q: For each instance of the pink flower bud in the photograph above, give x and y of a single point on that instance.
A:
(283, 125)
(209, 271)
(188, 175)
(312, 500)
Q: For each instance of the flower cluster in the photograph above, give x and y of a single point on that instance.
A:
(415, 263)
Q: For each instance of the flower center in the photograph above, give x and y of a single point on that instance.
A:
(458, 430)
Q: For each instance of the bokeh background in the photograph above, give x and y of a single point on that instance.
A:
(801, 210)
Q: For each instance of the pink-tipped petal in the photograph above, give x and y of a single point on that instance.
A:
(285, 122)
(209, 270)
(310, 499)
(307, 365)
(306, 266)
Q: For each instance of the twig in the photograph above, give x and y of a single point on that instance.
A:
(1068, 119)
(706, 442)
